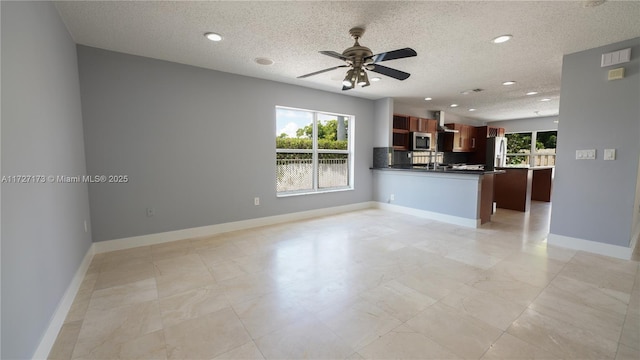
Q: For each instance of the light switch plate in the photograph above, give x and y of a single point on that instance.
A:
(609, 154)
(586, 154)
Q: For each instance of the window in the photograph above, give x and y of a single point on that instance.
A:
(522, 152)
(313, 151)
(545, 151)
(518, 149)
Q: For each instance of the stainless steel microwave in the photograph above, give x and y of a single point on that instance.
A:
(422, 141)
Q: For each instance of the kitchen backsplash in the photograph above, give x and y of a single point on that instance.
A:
(386, 156)
(382, 156)
(456, 158)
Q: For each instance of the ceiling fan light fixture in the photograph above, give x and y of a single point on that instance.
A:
(363, 79)
(360, 59)
(213, 36)
(349, 79)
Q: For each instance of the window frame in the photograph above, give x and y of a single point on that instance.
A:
(315, 152)
(533, 151)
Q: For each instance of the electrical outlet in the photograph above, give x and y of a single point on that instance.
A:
(151, 212)
(86, 228)
(256, 201)
(392, 197)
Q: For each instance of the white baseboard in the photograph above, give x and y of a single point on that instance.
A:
(455, 220)
(615, 251)
(159, 238)
(57, 320)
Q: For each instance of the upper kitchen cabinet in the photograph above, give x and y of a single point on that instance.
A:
(403, 125)
(482, 133)
(464, 140)
(400, 131)
(422, 125)
(494, 131)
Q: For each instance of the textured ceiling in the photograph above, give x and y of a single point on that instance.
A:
(452, 40)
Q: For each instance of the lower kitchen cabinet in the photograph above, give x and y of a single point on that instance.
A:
(516, 188)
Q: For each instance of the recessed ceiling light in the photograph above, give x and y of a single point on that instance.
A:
(454, 105)
(428, 99)
(375, 79)
(545, 99)
(472, 109)
(263, 61)
(532, 93)
(502, 38)
(213, 36)
(510, 82)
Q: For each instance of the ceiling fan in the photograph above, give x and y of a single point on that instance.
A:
(360, 58)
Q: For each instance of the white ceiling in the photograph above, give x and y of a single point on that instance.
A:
(452, 40)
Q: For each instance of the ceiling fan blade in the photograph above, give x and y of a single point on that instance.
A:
(392, 55)
(396, 74)
(321, 71)
(334, 54)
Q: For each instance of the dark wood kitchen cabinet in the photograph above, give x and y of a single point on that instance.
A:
(481, 135)
(400, 132)
(403, 125)
(464, 140)
(422, 125)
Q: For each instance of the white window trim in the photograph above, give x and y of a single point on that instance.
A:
(533, 152)
(315, 151)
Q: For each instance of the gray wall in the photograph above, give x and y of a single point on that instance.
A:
(594, 199)
(198, 145)
(43, 238)
(411, 110)
(423, 112)
(383, 126)
(543, 123)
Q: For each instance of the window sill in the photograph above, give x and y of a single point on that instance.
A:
(300, 193)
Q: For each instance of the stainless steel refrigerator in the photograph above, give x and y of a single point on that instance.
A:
(496, 152)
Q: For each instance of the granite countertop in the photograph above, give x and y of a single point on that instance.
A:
(525, 167)
(423, 169)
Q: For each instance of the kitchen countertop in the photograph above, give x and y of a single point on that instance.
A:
(525, 167)
(423, 169)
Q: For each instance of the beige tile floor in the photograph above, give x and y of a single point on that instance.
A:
(367, 284)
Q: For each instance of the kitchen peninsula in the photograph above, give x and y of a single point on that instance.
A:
(520, 185)
(462, 197)
(404, 179)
